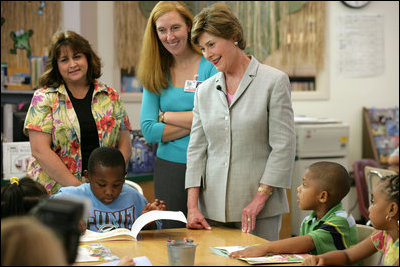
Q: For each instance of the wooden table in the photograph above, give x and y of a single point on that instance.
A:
(152, 244)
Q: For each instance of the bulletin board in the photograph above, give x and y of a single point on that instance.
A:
(26, 29)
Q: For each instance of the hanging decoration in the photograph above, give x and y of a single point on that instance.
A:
(41, 7)
(282, 34)
(21, 41)
(24, 15)
(130, 24)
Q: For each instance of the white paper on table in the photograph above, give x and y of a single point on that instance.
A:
(139, 261)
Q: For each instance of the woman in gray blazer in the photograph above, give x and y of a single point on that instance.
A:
(242, 145)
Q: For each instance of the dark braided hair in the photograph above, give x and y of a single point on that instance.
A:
(391, 187)
(19, 198)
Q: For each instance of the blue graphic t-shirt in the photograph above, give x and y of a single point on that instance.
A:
(122, 212)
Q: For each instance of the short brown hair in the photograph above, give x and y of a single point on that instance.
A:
(52, 77)
(218, 20)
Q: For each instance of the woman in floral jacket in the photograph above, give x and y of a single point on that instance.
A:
(72, 114)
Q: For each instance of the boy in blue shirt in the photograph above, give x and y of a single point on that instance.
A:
(113, 202)
(328, 227)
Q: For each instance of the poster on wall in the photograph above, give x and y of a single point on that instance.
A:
(360, 44)
(16, 156)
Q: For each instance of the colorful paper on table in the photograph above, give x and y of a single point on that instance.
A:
(94, 252)
(279, 258)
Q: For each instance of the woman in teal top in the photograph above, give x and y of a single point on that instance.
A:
(168, 66)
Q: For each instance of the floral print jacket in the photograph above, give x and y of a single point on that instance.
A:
(51, 112)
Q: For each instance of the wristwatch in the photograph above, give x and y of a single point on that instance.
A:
(161, 117)
(267, 190)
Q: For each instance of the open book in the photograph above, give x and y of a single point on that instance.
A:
(279, 258)
(126, 234)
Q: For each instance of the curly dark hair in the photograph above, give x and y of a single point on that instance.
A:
(391, 187)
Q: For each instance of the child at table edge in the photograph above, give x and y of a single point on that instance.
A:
(328, 227)
(113, 201)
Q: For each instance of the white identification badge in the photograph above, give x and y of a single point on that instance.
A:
(191, 85)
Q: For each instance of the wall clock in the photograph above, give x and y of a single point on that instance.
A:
(356, 4)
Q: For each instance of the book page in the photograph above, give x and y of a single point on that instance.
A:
(140, 222)
(117, 234)
(155, 215)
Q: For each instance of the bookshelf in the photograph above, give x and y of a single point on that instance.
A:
(380, 133)
(16, 96)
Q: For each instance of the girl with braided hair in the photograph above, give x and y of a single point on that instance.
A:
(20, 196)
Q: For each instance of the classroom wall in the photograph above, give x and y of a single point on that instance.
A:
(347, 96)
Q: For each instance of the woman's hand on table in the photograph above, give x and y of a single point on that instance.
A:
(196, 220)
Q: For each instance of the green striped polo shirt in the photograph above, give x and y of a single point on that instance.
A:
(337, 230)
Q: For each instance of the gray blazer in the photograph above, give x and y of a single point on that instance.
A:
(232, 149)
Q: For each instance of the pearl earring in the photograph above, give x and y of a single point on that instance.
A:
(236, 43)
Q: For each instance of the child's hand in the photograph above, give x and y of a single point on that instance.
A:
(156, 205)
(253, 251)
(126, 261)
(313, 261)
(82, 227)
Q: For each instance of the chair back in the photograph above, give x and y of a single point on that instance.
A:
(361, 185)
(365, 231)
(373, 175)
(134, 185)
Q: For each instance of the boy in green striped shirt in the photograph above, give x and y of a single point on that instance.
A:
(328, 227)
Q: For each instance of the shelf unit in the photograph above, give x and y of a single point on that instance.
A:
(380, 133)
(302, 84)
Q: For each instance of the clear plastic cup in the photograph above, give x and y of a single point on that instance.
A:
(181, 252)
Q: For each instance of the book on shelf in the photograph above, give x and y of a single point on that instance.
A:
(140, 222)
(277, 258)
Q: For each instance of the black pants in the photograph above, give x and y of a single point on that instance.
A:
(169, 185)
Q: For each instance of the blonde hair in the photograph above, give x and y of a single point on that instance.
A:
(26, 241)
(218, 20)
(155, 60)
